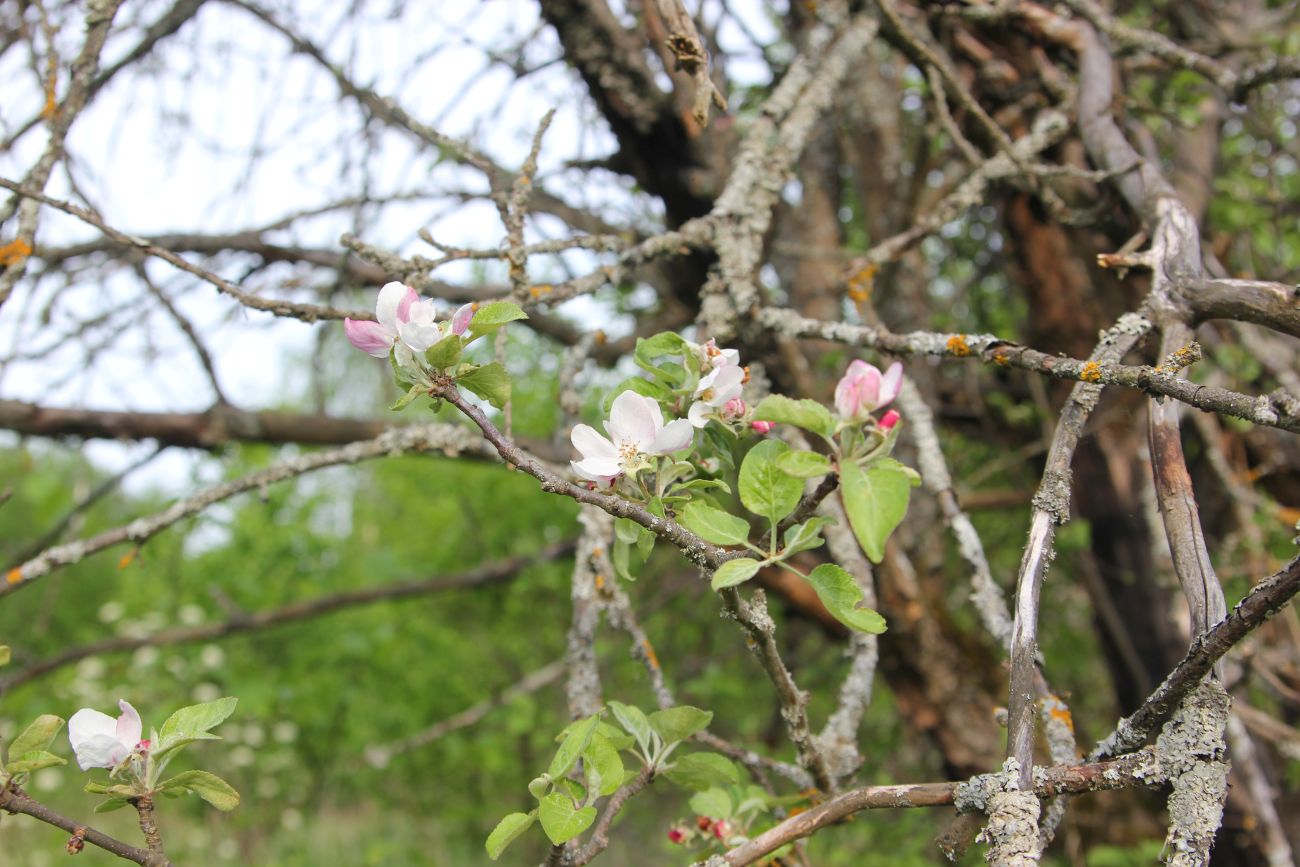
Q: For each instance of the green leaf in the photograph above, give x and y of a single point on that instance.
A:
(764, 488)
(805, 536)
(700, 771)
(632, 533)
(807, 414)
(634, 720)
(676, 724)
(714, 525)
(4, 654)
(561, 820)
(507, 831)
(32, 760)
(445, 352)
(36, 736)
(734, 572)
(492, 316)
(209, 787)
(841, 595)
(110, 805)
(641, 386)
(603, 765)
(190, 724)
(663, 343)
(489, 381)
(804, 465)
(575, 741)
(875, 500)
(405, 400)
(715, 803)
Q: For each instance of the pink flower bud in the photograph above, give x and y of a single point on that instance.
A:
(734, 408)
(677, 835)
(761, 427)
(703, 823)
(721, 829)
(888, 420)
(864, 388)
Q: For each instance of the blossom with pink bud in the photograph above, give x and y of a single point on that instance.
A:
(716, 390)
(100, 741)
(392, 310)
(636, 429)
(864, 389)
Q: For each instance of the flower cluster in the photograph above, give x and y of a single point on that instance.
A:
(405, 322)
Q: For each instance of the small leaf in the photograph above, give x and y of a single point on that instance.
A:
(507, 831)
(209, 787)
(405, 400)
(489, 381)
(110, 805)
(663, 343)
(715, 803)
(807, 414)
(561, 820)
(700, 771)
(445, 352)
(764, 488)
(575, 741)
(875, 500)
(634, 720)
(805, 536)
(840, 594)
(33, 760)
(676, 724)
(734, 572)
(490, 317)
(804, 465)
(643, 387)
(190, 724)
(714, 525)
(602, 762)
(36, 736)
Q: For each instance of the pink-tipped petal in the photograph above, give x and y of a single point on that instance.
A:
(392, 297)
(129, 727)
(404, 306)
(370, 337)
(460, 319)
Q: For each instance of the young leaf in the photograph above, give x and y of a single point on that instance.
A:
(676, 724)
(209, 787)
(841, 595)
(715, 803)
(875, 500)
(663, 343)
(198, 718)
(805, 536)
(634, 721)
(734, 572)
(807, 414)
(36, 736)
(490, 317)
(405, 400)
(804, 465)
(643, 387)
(561, 820)
(489, 381)
(445, 352)
(700, 771)
(603, 765)
(764, 488)
(714, 525)
(33, 760)
(110, 805)
(575, 741)
(507, 831)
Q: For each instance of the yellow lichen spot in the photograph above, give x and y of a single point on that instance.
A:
(600, 338)
(13, 576)
(540, 289)
(14, 252)
(127, 558)
(1091, 372)
(861, 283)
(599, 581)
(650, 656)
(1061, 714)
(957, 345)
(1001, 359)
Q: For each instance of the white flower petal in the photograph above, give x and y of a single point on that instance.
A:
(676, 436)
(587, 440)
(697, 414)
(93, 736)
(419, 337)
(601, 470)
(390, 297)
(100, 751)
(631, 420)
(129, 727)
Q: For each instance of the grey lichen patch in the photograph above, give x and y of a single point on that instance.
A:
(1190, 751)
(1053, 496)
(1012, 830)
(976, 793)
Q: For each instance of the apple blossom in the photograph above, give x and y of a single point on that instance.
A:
(864, 389)
(392, 309)
(715, 391)
(888, 420)
(636, 429)
(711, 357)
(100, 741)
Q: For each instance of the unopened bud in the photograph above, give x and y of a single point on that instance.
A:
(888, 420)
(761, 427)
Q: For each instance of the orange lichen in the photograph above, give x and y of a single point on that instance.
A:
(13, 576)
(862, 282)
(1061, 714)
(599, 581)
(14, 252)
(957, 345)
(540, 289)
(127, 558)
(1091, 372)
(651, 658)
(1001, 358)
